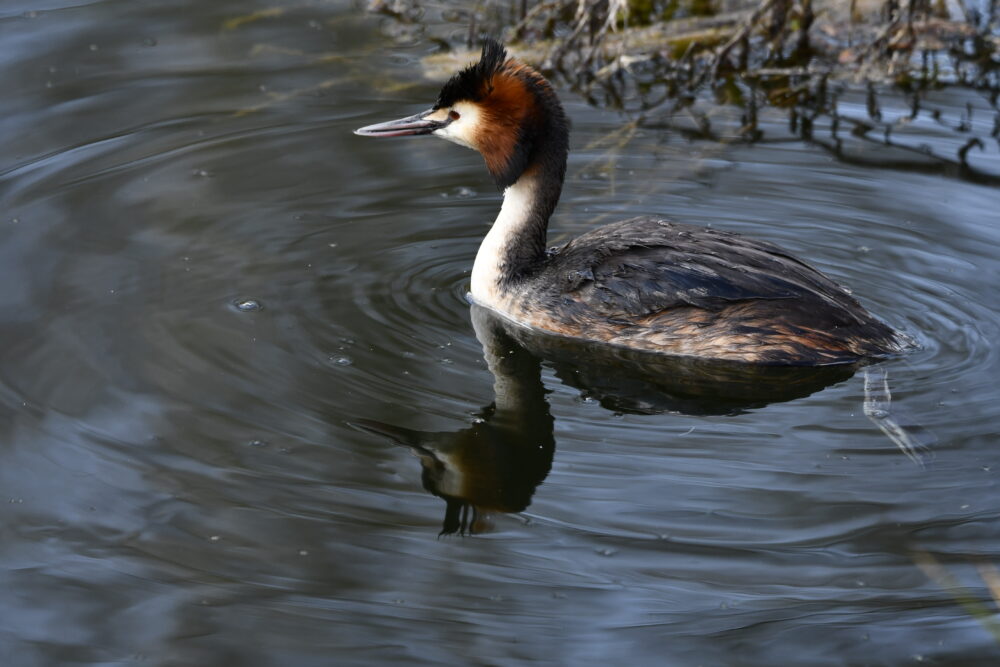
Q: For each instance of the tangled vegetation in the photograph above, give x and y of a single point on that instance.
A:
(847, 73)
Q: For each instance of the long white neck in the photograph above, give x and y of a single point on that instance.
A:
(516, 225)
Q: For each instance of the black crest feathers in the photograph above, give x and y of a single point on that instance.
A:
(473, 82)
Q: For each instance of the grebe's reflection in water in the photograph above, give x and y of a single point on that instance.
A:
(496, 463)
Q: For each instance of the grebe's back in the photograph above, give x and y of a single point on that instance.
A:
(657, 285)
(644, 283)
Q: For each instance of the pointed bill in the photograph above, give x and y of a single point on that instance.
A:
(420, 123)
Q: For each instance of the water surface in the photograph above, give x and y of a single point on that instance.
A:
(211, 286)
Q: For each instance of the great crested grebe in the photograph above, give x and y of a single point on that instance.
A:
(645, 283)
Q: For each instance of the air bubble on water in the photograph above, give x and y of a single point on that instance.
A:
(342, 361)
(303, 552)
(203, 173)
(215, 538)
(459, 193)
(257, 443)
(248, 305)
(93, 47)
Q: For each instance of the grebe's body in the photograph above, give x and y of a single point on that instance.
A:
(645, 283)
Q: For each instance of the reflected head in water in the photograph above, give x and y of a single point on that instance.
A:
(496, 463)
(491, 466)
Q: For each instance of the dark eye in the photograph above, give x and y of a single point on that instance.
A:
(454, 115)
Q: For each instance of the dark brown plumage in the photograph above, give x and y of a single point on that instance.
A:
(664, 286)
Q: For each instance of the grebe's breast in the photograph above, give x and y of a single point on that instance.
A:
(652, 284)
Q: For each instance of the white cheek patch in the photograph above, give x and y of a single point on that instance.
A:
(463, 130)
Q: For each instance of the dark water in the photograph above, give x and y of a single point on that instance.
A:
(221, 313)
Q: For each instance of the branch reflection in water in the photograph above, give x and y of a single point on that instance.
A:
(496, 463)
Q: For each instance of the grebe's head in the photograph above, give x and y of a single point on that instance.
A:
(497, 106)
